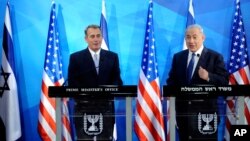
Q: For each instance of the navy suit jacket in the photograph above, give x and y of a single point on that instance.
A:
(210, 60)
(186, 110)
(82, 71)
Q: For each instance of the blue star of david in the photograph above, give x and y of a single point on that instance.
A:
(5, 86)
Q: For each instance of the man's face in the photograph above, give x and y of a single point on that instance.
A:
(194, 39)
(94, 38)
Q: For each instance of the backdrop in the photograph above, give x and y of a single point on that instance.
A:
(126, 27)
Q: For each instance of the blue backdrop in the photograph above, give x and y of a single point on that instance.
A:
(126, 27)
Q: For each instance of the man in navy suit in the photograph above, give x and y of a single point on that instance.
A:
(208, 68)
(92, 67)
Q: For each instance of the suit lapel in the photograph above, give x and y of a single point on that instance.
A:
(200, 63)
(183, 65)
(102, 61)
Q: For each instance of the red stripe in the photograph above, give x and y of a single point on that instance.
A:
(139, 132)
(230, 104)
(147, 122)
(45, 90)
(42, 133)
(243, 75)
(228, 125)
(65, 119)
(247, 114)
(48, 117)
(150, 103)
(156, 88)
(66, 123)
(232, 80)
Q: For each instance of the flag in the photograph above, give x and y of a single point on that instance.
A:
(149, 117)
(238, 69)
(105, 44)
(171, 107)
(9, 105)
(52, 76)
(190, 19)
(104, 28)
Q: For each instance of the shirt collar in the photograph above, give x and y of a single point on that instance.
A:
(92, 52)
(199, 51)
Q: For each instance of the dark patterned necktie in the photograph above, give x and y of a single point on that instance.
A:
(190, 68)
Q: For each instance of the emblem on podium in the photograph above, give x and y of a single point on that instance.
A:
(93, 124)
(207, 123)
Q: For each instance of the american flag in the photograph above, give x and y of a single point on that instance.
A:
(238, 69)
(149, 117)
(52, 76)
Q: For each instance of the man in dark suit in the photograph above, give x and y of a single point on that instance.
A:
(196, 65)
(92, 67)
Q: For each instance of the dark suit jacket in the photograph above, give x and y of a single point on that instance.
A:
(82, 71)
(210, 60)
(187, 108)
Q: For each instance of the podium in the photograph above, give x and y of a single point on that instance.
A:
(94, 113)
(198, 109)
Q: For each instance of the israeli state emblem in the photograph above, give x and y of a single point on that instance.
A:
(207, 123)
(93, 124)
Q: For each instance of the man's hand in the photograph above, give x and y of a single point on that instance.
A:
(203, 74)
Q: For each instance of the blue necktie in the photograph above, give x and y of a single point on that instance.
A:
(190, 68)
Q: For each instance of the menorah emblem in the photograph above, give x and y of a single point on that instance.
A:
(93, 119)
(205, 120)
(93, 124)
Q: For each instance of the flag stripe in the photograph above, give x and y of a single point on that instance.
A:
(149, 99)
(232, 80)
(138, 130)
(147, 122)
(47, 117)
(66, 121)
(246, 110)
(47, 134)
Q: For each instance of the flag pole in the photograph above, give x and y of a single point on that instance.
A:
(58, 119)
(240, 120)
(172, 121)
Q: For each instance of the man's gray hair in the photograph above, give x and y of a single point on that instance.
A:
(195, 26)
(91, 26)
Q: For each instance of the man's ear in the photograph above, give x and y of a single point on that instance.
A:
(203, 37)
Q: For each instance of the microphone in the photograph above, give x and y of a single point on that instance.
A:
(198, 55)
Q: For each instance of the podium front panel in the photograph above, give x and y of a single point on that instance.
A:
(94, 119)
(197, 119)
